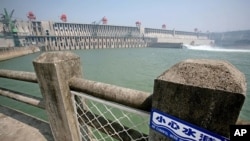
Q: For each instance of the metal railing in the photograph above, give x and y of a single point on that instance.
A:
(103, 120)
(108, 112)
(103, 111)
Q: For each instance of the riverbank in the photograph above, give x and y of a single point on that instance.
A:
(12, 52)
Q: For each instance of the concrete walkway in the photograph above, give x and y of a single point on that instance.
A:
(17, 126)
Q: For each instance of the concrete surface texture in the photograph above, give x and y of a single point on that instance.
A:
(206, 93)
(213, 74)
(16, 126)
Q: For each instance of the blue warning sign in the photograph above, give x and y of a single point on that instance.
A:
(180, 130)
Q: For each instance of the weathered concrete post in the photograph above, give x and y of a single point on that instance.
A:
(207, 94)
(54, 70)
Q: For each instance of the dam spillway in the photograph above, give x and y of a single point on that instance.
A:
(70, 36)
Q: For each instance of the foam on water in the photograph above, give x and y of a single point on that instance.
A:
(214, 48)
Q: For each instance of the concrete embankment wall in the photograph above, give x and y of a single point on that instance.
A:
(12, 52)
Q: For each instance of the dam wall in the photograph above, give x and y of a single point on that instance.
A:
(178, 37)
(71, 36)
(151, 32)
(65, 36)
(91, 42)
(6, 42)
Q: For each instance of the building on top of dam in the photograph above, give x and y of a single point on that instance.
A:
(63, 35)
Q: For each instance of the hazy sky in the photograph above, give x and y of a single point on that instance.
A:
(212, 15)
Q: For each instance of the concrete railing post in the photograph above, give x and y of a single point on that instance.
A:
(54, 70)
(196, 96)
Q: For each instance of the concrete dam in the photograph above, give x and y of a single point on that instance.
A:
(70, 36)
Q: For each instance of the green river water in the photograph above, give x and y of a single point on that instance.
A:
(134, 68)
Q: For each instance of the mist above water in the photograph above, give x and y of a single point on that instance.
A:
(216, 48)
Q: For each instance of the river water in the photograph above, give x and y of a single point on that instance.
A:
(134, 68)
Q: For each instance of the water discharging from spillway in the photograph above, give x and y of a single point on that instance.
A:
(216, 48)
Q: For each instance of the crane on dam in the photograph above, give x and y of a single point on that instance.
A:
(164, 26)
(104, 21)
(31, 16)
(96, 22)
(63, 17)
(8, 23)
(9, 28)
